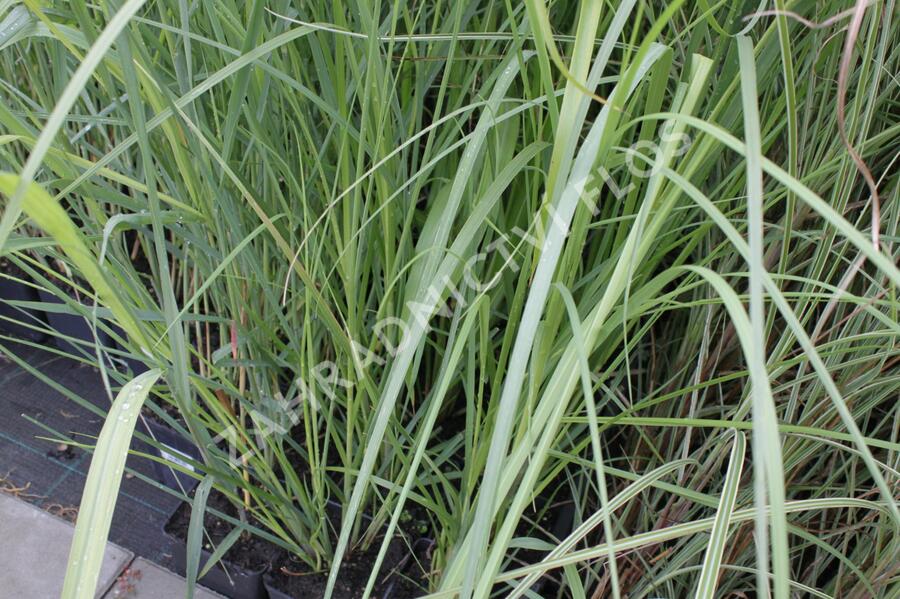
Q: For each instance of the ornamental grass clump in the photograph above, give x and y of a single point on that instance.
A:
(598, 299)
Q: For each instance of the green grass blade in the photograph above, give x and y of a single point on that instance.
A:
(101, 489)
(68, 98)
(221, 549)
(768, 464)
(712, 561)
(195, 533)
(591, 408)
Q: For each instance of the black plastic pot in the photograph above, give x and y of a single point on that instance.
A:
(273, 592)
(132, 365)
(126, 364)
(236, 584)
(16, 291)
(71, 325)
(175, 449)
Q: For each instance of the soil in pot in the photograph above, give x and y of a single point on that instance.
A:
(12, 289)
(402, 574)
(245, 562)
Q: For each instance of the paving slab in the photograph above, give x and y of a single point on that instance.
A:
(52, 478)
(146, 580)
(34, 551)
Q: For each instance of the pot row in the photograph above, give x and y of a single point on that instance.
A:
(14, 297)
(240, 583)
(225, 578)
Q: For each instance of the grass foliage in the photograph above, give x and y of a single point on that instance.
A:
(604, 293)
